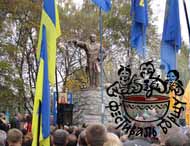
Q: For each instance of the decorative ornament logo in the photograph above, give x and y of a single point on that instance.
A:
(142, 99)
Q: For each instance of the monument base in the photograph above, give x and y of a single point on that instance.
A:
(88, 107)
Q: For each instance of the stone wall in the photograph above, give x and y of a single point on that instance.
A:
(88, 107)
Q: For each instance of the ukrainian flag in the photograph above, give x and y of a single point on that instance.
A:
(50, 19)
(41, 129)
(46, 53)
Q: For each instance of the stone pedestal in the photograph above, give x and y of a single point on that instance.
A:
(88, 107)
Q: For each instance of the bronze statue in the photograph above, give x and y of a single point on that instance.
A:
(92, 53)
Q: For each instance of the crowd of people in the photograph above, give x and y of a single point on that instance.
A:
(18, 133)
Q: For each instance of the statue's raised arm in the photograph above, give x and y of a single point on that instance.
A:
(92, 52)
(80, 44)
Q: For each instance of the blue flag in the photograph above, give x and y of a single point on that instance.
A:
(105, 5)
(171, 36)
(139, 14)
(70, 98)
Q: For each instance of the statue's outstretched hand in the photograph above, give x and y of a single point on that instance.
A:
(79, 44)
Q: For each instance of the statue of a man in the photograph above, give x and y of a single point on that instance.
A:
(92, 53)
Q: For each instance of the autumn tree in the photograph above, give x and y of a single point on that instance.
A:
(18, 40)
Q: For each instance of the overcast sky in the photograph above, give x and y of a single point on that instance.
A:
(158, 7)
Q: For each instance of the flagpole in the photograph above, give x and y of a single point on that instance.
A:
(39, 122)
(188, 27)
(101, 66)
(144, 43)
(186, 15)
(57, 94)
(176, 63)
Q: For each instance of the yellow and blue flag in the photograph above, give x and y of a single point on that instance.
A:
(105, 5)
(171, 36)
(41, 111)
(46, 53)
(50, 19)
(139, 14)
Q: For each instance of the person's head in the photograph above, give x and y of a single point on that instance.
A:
(72, 140)
(112, 140)
(29, 118)
(124, 138)
(155, 144)
(96, 135)
(93, 38)
(26, 116)
(188, 134)
(14, 137)
(66, 128)
(84, 125)
(3, 137)
(176, 140)
(78, 131)
(27, 139)
(60, 137)
(82, 139)
(52, 130)
(2, 116)
(70, 130)
(137, 142)
(113, 129)
(187, 144)
(163, 137)
(19, 116)
(24, 131)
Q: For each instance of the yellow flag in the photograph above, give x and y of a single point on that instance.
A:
(186, 98)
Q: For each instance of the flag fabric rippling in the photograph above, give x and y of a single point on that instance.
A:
(171, 36)
(105, 5)
(50, 19)
(41, 110)
(46, 54)
(139, 14)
